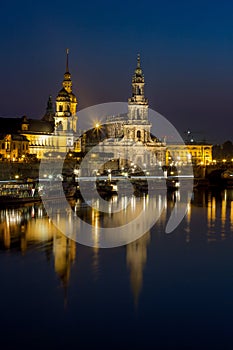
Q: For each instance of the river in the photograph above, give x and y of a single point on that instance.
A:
(164, 291)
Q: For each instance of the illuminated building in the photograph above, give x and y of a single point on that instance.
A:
(195, 153)
(66, 105)
(13, 147)
(128, 137)
(55, 132)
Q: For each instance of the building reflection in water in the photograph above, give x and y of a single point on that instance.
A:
(136, 257)
(26, 227)
(29, 227)
(188, 220)
(218, 205)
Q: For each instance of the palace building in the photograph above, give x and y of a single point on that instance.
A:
(196, 153)
(13, 147)
(51, 136)
(55, 133)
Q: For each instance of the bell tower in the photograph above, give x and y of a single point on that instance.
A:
(66, 104)
(138, 104)
(137, 128)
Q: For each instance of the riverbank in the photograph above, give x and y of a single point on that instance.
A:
(204, 176)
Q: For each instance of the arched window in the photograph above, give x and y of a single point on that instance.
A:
(139, 135)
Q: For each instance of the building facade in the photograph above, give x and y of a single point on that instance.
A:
(128, 137)
(54, 135)
(195, 153)
(13, 147)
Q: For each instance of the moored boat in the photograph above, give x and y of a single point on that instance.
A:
(14, 192)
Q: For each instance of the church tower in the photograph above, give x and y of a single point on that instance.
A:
(138, 127)
(66, 104)
(138, 104)
(49, 115)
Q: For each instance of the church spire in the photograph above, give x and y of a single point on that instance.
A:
(138, 83)
(138, 76)
(138, 61)
(49, 114)
(67, 60)
(138, 103)
(66, 104)
(67, 82)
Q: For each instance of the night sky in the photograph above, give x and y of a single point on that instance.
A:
(186, 49)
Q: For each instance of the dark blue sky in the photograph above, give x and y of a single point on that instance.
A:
(186, 49)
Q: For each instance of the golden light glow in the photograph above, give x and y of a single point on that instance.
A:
(97, 126)
(231, 213)
(213, 209)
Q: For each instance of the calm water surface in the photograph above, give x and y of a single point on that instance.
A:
(161, 292)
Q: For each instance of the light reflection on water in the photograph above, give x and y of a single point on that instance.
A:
(28, 229)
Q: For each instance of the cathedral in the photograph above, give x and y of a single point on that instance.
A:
(128, 138)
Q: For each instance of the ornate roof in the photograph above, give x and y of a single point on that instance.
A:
(40, 126)
(64, 95)
(13, 126)
(138, 76)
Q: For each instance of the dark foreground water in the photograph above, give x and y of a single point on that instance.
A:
(161, 292)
